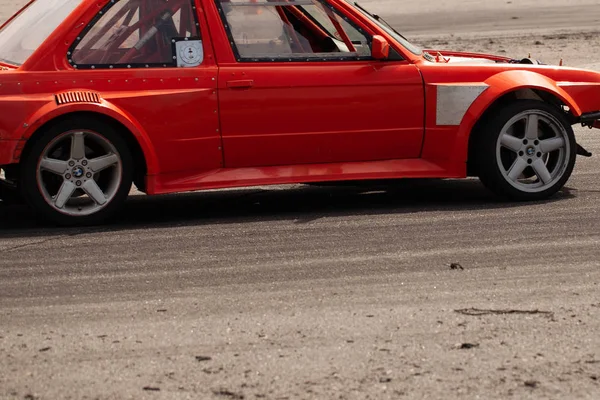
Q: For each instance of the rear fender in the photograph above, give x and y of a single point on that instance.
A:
(499, 85)
(51, 111)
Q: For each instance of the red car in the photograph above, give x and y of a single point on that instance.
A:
(183, 95)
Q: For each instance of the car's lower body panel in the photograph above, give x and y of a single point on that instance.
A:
(258, 176)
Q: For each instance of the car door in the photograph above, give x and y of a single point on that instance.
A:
(303, 88)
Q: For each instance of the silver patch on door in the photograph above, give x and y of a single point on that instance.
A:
(190, 53)
(453, 102)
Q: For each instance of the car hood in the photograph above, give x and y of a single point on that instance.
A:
(468, 60)
(457, 57)
(495, 63)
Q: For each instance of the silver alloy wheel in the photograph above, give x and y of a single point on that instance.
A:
(533, 151)
(79, 173)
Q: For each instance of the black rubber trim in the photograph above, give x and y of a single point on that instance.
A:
(590, 117)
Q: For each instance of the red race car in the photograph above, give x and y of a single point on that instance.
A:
(183, 95)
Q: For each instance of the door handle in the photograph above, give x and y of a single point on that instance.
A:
(243, 84)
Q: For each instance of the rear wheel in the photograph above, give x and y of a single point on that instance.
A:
(526, 151)
(79, 172)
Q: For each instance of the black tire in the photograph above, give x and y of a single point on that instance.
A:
(33, 194)
(484, 152)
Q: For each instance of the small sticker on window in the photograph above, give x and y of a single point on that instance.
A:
(189, 53)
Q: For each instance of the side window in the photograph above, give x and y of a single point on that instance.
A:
(322, 18)
(291, 30)
(141, 33)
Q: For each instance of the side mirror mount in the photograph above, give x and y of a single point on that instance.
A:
(380, 48)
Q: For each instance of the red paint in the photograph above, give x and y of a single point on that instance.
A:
(360, 111)
(234, 177)
(227, 123)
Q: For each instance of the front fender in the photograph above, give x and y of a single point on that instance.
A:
(499, 85)
(51, 111)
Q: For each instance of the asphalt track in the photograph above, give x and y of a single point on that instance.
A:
(309, 293)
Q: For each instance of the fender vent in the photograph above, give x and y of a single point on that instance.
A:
(77, 97)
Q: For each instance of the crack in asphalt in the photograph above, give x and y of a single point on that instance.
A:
(479, 312)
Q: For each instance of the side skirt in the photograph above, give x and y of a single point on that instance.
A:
(279, 175)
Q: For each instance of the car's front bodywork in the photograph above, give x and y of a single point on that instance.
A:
(459, 94)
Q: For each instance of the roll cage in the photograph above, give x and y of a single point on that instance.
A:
(139, 33)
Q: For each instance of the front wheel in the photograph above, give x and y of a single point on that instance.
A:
(79, 172)
(526, 151)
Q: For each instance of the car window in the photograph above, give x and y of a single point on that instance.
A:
(292, 30)
(141, 33)
(18, 40)
(319, 15)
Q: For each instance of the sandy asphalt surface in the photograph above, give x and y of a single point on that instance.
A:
(320, 293)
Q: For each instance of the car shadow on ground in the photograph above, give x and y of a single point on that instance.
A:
(297, 203)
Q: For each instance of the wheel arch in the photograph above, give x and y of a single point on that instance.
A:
(503, 89)
(144, 157)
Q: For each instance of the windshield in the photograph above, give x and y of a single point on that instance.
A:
(388, 29)
(24, 34)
